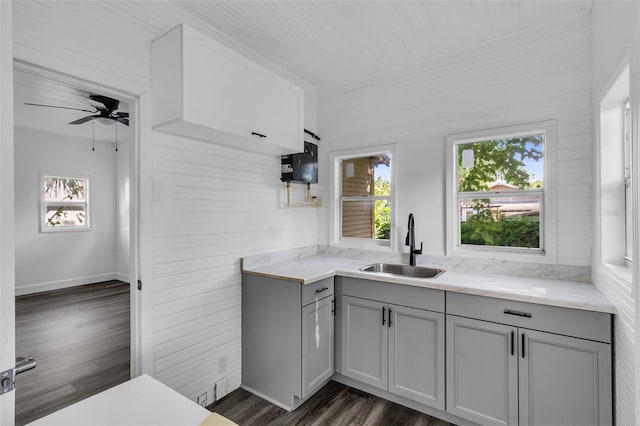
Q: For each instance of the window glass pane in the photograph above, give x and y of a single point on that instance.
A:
(366, 177)
(500, 221)
(501, 164)
(382, 174)
(366, 219)
(63, 215)
(62, 189)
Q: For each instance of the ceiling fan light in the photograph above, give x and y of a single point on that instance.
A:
(104, 121)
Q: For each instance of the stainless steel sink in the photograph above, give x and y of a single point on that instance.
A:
(402, 270)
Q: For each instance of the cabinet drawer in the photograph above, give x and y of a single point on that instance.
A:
(316, 291)
(398, 294)
(554, 319)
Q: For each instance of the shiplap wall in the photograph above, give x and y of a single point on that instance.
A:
(612, 35)
(211, 205)
(531, 76)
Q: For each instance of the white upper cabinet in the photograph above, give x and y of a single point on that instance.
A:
(204, 90)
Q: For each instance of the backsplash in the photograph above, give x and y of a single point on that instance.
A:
(518, 269)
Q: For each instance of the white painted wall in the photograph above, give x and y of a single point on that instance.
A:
(612, 26)
(211, 205)
(532, 76)
(51, 260)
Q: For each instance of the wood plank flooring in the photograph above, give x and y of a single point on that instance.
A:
(80, 339)
(334, 404)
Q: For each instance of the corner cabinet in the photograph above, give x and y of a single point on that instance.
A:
(391, 342)
(515, 363)
(287, 338)
(204, 90)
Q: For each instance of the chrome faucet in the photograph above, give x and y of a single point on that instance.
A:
(411, 241)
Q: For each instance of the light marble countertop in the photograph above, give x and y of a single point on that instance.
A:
(307, 268)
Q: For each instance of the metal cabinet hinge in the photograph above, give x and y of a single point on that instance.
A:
(8, 377)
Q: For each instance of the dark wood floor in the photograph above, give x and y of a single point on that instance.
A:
(80, 339)
(335, 404)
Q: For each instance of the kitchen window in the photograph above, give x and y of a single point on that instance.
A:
(499, 188)
(363, 198)
(65, 204)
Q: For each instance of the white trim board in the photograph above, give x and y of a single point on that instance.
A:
(71, 282)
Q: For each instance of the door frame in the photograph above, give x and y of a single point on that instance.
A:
(134, 197)
(7, 213)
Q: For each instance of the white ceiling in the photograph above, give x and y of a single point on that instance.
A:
(336, 43)
(32, 88)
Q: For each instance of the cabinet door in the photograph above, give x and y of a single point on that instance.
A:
(564, 380)
(482, 368)
(364, 341)
(317, 344)
(416, 355)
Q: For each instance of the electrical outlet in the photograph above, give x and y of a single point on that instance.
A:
(202, 400)
(221, 389)
(222, 364)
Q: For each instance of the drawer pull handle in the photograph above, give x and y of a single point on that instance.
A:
(389, 317)
(518, 313)
(523, 338)
(320, 290)
(258, 134)
(383, 311)
(333, 307)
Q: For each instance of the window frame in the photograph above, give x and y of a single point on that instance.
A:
(336, 158)
(86, 203)
(611, 257)
(547, 253)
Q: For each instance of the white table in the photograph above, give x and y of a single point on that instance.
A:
(139, 402)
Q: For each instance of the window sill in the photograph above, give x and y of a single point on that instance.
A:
(506, 255)
(363, 245)
(65, 229)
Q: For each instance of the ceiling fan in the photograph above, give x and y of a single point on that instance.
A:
(106, 111)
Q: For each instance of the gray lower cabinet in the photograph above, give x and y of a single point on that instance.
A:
(317, 344)
(396, 348)
(563, 380)
(364, 341)
(508, 374)
(482, 371)
(416, 355)
(287, 338)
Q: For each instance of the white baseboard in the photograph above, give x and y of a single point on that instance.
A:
(72, 282)
(122, 277)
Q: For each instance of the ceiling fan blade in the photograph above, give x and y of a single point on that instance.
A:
(61, 107)
(98, 105)
(123, 120)
(84, 119)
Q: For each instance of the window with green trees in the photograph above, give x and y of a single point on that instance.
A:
(365, 198)
(64, 203)
(500, 189)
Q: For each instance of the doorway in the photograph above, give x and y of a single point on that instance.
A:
(76, 247)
